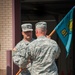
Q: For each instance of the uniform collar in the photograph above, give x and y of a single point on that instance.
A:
(27, 42)
(41, 37)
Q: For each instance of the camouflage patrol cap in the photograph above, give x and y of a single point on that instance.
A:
(42, 25)
(26, 27)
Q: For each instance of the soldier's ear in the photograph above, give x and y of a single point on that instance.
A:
(22, 33)
(36, 31)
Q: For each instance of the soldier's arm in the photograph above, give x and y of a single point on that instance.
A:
(57, 53)
(55, 50)
(20, 58)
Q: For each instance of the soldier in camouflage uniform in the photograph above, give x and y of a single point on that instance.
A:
(27, 38)
(43, 51)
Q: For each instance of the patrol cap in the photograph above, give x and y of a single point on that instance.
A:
(26, 27)
(42, 25)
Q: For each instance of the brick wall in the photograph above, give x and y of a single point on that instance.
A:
(5, 30)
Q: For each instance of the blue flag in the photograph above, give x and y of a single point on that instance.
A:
(64, 29)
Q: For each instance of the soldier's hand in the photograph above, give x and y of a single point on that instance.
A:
(14, 49)
(48, 36)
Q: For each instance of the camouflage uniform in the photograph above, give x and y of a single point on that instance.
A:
(22, 44)
(42, 52)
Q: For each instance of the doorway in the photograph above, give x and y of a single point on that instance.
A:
(52, 12)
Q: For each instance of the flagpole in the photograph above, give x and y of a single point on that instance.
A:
(19, 71)
(51, 33)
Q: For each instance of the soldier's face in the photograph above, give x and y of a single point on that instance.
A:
(27, 35)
